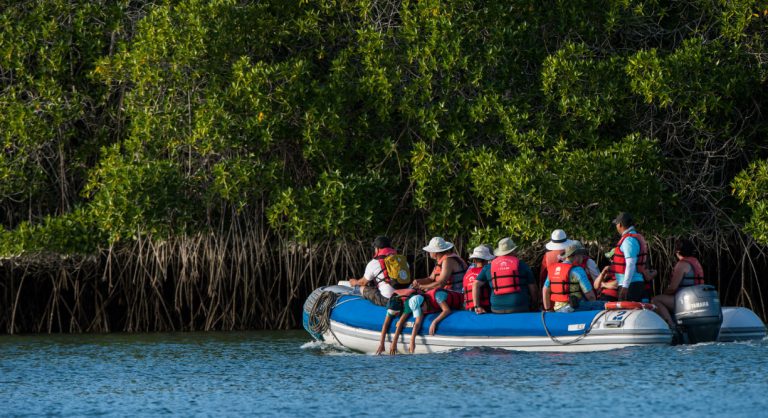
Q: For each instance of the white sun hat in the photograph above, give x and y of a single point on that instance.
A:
(506, 246)
(438, 245)
(482, 252)
(559, 240)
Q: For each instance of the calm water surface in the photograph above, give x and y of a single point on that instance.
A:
(281, 374)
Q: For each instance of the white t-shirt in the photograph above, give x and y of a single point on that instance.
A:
(373, 274)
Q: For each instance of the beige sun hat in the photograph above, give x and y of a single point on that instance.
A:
(438, 245)
(506, 246)
(482, 252)
(576, 248)
(559, 240)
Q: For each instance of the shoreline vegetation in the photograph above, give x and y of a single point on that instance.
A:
(195, 165)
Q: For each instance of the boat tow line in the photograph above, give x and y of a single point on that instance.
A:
(577, 339)
(320, 314)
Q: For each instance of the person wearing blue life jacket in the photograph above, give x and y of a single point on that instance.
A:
(630, 261)
(418, 304)
(512, 284)
(567, 286)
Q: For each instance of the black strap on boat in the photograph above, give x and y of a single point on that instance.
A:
(577, 339)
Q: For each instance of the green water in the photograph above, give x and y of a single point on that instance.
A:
(283, 374)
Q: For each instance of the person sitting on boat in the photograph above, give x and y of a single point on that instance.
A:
(435, 300)
(687, 272)
(567, 284)
(559, 240)
(376, 285)
(480, 259)
(513, 287)
(629, 261)
(448, 272)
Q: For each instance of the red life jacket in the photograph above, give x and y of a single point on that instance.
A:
(505, 275)
(611, 293)
(380, 255)
(618, 262)
(560, 284)
(469, 282)
(698, 273)
(456, 281)
(550, 257)
(454, 301)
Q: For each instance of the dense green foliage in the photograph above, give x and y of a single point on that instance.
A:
(342, 119)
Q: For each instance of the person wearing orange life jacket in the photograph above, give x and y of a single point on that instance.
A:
(375, 285)
(513, 287)
(434, 301)
(567, 284)
(629, 261)
(687, 272)
(449, 269)
(479, 258)
(559, 240)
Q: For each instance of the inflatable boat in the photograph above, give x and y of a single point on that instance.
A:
(338, 316)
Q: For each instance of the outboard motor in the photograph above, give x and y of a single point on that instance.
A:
(698, 313)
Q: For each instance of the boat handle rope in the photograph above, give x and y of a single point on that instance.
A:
(577, 339)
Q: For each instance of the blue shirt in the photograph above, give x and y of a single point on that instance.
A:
(521, 299)
(631, 249)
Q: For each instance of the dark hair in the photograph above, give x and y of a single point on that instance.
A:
(382, 242)
(685, 247)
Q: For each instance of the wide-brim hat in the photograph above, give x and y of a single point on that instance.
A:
(575, 249)
(438, 245)
(559, 240)
(482, 252)
(506, 246)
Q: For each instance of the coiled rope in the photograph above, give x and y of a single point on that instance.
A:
(319, 320)
(577, 339)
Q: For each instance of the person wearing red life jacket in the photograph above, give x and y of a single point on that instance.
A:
(480, 258)
(567, 285)
(449, 269)
(629, 261)
(555, 247)
(513, 287)
(374, 285)
(420, 305)
(687, 272)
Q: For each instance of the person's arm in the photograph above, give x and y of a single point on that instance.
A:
(415, 330)
(592, 270)
(398, 331)
(449, 266)
(599, 280)
(545, 298)
(446, 310)
(476, 296)
(678, 272)
(358, 282)
(384, 329)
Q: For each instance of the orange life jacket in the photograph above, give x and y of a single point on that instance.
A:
(550, 257)
(560, 284)
(454, 300)
(698, 273)
(456, 281)
(618, 262)
(505, 275)
(380, 255)
(469, 282)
